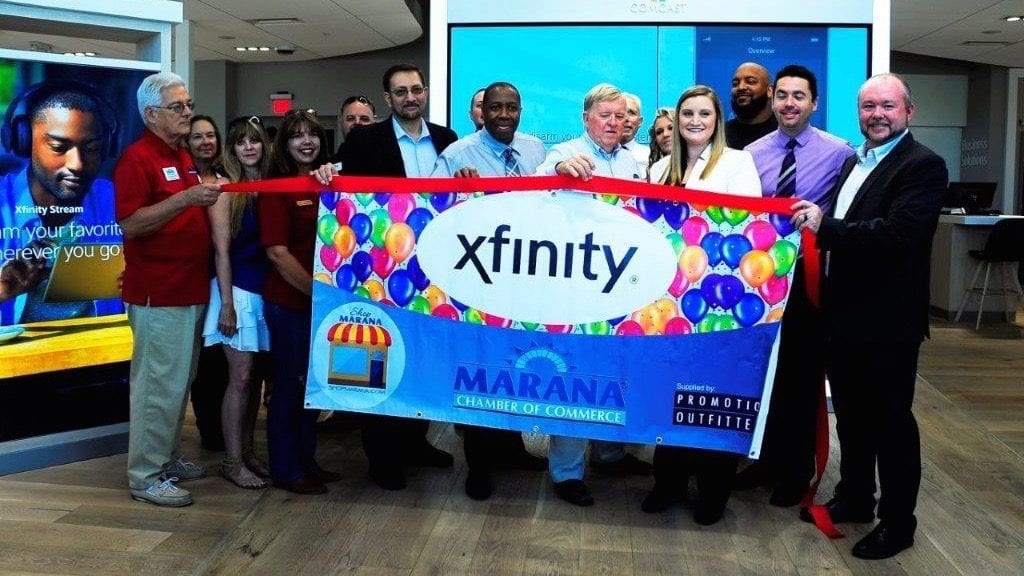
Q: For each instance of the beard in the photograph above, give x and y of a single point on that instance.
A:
(749, 111)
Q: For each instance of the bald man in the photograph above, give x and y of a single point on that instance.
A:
(751, 103)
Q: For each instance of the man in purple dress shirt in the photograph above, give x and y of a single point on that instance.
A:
(801, 161)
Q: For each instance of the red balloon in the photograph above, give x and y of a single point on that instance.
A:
(496, 321)
(678, 325)
(383, 263)
(629, 328)
(559, 328)
(446, 311)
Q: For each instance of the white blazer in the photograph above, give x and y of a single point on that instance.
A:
(735, 173)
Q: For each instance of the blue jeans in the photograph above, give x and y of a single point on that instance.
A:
(566, 456)
(291, 429)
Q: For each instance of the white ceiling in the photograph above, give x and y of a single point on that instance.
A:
(336, 27)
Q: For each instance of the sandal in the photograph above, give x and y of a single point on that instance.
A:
(238, 474)
(255, 464)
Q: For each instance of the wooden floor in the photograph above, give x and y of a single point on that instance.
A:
(78, 518)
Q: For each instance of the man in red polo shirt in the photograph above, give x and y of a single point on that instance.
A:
(161, 207)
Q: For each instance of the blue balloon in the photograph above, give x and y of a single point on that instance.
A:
(615, 321)
(712, 245)
(734, 246)
(442, 201)
(418, 220)
(708, 288)
(749, 310)
(382, 197)
(462, 307)
(400, 287)
(693, 305)
(362, 226)
(728, 291)
(781, 223)
(416, 276)
(345, 278)
(649, 208)
(362, 265)
(329, 200)
(676, 213)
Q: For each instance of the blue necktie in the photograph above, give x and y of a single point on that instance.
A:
(511, 164)
(787, 175)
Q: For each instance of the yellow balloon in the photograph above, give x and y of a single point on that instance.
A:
(375, 289)
(345, 241)
(399, 241)
(649, 318)
(693, 261)
(774, 316)
(435, 296)
(324, 277)
(757, 267)
(664, 310)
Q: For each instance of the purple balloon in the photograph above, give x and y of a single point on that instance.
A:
(649, 208)
(418, 220)
(362, 265)
(416, 276)
(676, 213)
(734, 246)
(382, 198)
(693, 305)
(345, 278)
(712, 245)
(708, 288)
(442, 201)
(400, 287)
(329, 200)
(749, 310)
(781, 223)
(362, 226)
(728, 291)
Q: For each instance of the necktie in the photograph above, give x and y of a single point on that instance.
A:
(511, 164)
(787, 175)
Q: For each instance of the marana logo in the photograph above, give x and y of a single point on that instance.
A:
(534, 247)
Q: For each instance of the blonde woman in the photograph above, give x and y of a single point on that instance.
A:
(661, 135)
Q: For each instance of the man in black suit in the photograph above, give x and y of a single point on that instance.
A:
(877, 247)
(404, 144)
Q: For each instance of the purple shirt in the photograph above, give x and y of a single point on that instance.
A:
(819, 157)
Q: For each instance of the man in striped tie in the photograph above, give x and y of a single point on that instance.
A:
(496, 150)
(797, 160)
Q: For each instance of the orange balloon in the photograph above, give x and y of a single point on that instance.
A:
(399, 241)
(345, 241)
(375, 289)
(435, 296)
(774, 316)
(757, 267)
(664, 310)
(693, 261)
(647, 318)
(324, 277)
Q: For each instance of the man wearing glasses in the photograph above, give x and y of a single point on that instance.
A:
(404, 144)
(160, 204)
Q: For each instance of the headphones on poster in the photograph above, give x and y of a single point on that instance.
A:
(16, 131)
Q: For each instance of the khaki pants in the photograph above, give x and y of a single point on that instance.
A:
(164, 357)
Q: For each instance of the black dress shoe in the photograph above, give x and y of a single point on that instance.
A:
(387, 477)
(660, 499)
(574, 492)
(787, 494)
(708, 513)
(478, 485)
(307, 485)
(753, 476)
(885, 541)
(427, 455)
(326, 475)
(842, 510)
(628, 465)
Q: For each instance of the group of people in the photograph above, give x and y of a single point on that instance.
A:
(877, 204)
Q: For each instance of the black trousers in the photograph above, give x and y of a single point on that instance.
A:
(789, 441)
(873, 394)
(673, 466)
(390, 441)
(208, 394)
(488, 448)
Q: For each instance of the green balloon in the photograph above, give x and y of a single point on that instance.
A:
(734, 215)
(363, 198)
(362, 292)
(783, 253)
(381, 222)
(473, 316)
(707, 324)
(419, 304)
(677, 242)
(715, 213)
(612, 199)
(724, 322)
(599, 328)
(531, 326)
(326, 226)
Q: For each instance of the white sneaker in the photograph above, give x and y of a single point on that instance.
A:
(182, 470)
(163, 494)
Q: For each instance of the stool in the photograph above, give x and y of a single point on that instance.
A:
(1004, 247)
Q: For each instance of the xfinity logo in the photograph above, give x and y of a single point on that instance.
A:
(534, 248)
(554, 259)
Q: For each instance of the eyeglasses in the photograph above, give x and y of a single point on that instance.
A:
(245, 119)
(360, 99)
(301, 112)
(403, 92)
(178, 107)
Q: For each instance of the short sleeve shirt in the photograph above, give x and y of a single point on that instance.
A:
(289, 220)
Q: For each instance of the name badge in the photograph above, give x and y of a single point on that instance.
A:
(303, 202)
(171, 174)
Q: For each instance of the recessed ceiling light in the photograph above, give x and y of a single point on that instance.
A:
(1013, 18)
(252, 49)
(226, 37)
(240, 48)
(264, 48)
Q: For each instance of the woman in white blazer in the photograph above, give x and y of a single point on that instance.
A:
(700, 160)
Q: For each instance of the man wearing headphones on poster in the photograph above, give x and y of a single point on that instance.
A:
(64, 131)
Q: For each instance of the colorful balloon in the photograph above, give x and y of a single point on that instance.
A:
(648, 319)
(728, 291)
(612, 199)
(442, 201)
(434, 296)
(734, 215)
(774, 289)
(693, 305)
(706, 325)
(324, 278)
(724, 322)
(757, 267)
(326, 226)
(599, 328)
(783, 253)
(496, 321)
(400, 287)
(774, 316)
(375, 289)
(446, 311)
(473, 316)
(363, 198)
(675, 213)
(694, 229)
(709, 289)
(461, 307)
(418, 220)
(329, 199)
(715, 213)
(329, 257)
(781, 224)
(345, 241)
(418, 304)
(381, 222)
(712, 245)
(419, 279)
(749, 310)
(734, 246)
(362, 265)
(381, 198)
(383, 263)
(362, 292)
(362, 226)
(761, 234)
(679, 284)
(650, 208)
(693, 261)
(399, 241)
(345, 278)
(678, 325)
(629, 328)
(531, 326)
(559, 328)
(400, 206)
(677, 243)
(345, 210)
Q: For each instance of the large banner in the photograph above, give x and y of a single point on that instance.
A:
(591, 314)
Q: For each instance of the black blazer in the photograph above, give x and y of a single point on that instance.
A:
(372, 150)
(877, 258)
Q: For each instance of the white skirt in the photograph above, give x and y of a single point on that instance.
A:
(252, 334)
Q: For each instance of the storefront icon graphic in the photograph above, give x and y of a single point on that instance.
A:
(358, 355)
